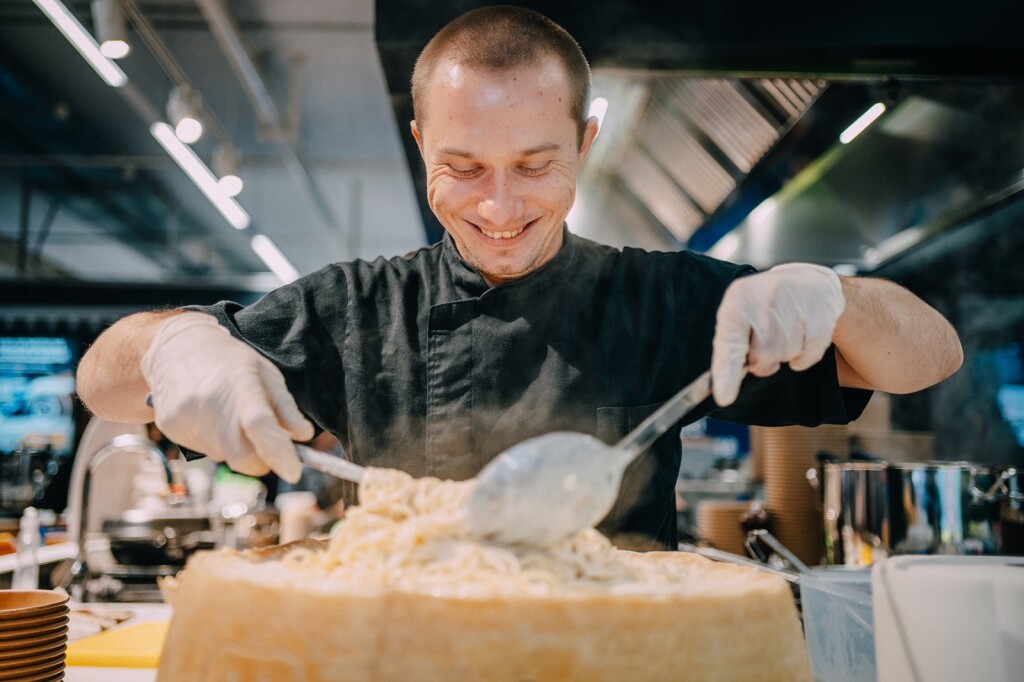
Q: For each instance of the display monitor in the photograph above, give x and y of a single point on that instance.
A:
(37, 384)
(1009, 369)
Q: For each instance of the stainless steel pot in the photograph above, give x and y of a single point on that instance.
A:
(141, 537)
(874, 509)
(1005, 489)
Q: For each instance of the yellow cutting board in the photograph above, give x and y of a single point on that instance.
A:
(134, 646)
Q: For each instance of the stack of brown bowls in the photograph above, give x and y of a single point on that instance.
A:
(718, 523)
(793, 503)
(33, 635)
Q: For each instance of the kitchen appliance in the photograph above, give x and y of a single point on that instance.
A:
(872, 510)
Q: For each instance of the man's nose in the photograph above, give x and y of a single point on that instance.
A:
(501, 203)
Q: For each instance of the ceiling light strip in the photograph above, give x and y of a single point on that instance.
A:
(200, 175)
(86, 45)
(865, 119)
(268, 252)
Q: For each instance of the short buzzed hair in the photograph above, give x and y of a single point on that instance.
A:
(504, 37)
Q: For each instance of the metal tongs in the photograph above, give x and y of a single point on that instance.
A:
(330, 464)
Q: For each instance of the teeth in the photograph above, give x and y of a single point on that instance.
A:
(502, 235)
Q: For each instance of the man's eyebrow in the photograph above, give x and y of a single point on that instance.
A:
(450, 151)
(546, 147)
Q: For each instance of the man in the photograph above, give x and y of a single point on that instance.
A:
(512, 327)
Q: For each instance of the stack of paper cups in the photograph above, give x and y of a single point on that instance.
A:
(718, 523)
(792, 501)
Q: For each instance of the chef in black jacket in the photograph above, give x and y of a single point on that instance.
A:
(512, 326)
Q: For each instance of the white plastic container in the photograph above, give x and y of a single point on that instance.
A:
(953, 618)
(838, 625)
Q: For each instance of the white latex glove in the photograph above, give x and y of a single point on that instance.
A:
(216, 395)
(787, 314)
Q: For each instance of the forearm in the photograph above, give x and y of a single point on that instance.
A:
(109, 380)
(888, 339)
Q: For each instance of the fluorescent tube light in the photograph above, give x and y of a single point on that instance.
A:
(763, 211)
(598, 108)
(67, 24)
(200, 174)
(726, 247)
(858, 126)
(269, 253)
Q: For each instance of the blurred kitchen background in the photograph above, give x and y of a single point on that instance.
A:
(881, 138)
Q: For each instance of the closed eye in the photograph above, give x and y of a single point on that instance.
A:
(534, 170)
(463, 173)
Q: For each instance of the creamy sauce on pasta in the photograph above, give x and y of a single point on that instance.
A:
(410, 535)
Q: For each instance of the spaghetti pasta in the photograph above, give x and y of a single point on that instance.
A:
(410, 534)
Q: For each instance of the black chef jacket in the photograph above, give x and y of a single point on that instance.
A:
(416, 364)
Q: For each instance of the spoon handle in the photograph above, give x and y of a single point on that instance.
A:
(644, 435)
(330, 464)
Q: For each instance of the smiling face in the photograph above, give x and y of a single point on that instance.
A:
(502, 153)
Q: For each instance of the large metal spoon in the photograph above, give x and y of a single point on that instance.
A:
(547, 488)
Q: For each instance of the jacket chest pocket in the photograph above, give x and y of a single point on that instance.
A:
(649, 481)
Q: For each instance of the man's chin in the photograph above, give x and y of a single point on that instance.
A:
(501, 260)
(503, 271)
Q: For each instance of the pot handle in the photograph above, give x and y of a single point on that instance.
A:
(815, 480)
(761, 535)
(997, 492)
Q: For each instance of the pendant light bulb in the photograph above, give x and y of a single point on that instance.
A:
(108, 23)
(183, 107)
(225, 165)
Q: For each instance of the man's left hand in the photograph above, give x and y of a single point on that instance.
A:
(787, 314)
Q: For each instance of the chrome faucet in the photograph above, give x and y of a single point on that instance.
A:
(78, 499)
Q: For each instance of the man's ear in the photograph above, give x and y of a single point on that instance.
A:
(416, 134)
(589, 135)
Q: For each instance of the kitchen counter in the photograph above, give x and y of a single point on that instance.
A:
(143, 613)
(80, 674)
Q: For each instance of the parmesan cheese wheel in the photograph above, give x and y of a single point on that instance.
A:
(402, 593)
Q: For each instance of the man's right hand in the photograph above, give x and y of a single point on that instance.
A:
(216, 395)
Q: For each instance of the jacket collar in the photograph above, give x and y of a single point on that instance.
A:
(469, 283)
